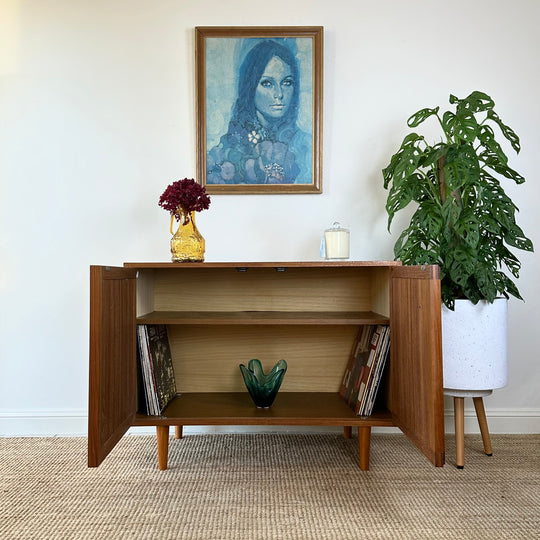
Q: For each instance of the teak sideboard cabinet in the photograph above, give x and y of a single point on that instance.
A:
(219, 315)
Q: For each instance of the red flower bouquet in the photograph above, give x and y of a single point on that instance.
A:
(184, 196)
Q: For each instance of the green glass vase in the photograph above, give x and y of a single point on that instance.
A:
(263, 388)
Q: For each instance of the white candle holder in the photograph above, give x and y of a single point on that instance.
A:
(336, 242)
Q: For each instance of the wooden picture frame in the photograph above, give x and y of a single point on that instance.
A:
(259, 109)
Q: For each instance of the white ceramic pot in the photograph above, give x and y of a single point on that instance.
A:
(474, 339)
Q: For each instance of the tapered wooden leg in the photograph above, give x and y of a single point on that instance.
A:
(482, 421)
(347, 432)
(162, 446)
(459, 422)
(364, 437)
(178, 432)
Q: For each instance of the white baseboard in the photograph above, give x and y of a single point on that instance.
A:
(70, 423)
(499, 421)
(44, 423)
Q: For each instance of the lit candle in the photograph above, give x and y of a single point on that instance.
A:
(336, 242)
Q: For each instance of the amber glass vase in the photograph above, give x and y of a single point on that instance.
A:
(187, 244)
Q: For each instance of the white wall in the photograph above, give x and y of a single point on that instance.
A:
(97, 116)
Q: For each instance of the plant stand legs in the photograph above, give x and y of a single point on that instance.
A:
(347, 432)
(162, 446)
(482, 422)
(178, 432)
(459, 422)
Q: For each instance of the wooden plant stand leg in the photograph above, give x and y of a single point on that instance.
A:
(347, 432)
(162, 446)
(364, 437)
(178, 432)
(482, 421)
(459, 422)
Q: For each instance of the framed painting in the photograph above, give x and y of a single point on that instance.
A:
(259, 109)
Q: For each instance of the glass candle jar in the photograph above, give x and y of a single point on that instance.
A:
(337, 242)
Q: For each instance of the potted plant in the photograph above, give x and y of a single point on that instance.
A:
(464, 222)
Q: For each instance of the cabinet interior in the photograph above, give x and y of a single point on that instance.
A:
(206, 356)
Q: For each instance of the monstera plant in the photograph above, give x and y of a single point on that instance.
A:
(464, 221)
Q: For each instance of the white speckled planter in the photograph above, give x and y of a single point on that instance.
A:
(474, 341)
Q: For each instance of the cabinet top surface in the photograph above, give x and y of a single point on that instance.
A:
(287, 264)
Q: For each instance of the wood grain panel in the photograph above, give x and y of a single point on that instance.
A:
(268, 264)
(355, 318)
(263, 289)
(380, 287)
(416, 392)
(206, 359)
(145, 291)
(112, 377)
(289, 409)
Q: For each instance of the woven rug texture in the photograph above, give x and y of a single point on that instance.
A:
(266, 486)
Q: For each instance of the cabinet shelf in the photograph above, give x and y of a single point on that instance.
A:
(263, 317)
(236, 408)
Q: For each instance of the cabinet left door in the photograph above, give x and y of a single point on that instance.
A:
(112, 399)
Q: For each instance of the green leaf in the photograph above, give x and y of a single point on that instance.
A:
(475, 102)
(507, 131)
(461, 167)
(503, 213)
(407, 246)
(448, 122)
(414, 252)
(411, 140)
(397, 200)
(450, 212)
(490, 225)
(492, 161)
(409, 152)
(428, 219)
(467, 228)
(515, 237)
(415, 245)
(407, 164)
(432, 156)
(461, 264)
(507, 258)
(418, 117)
(484, 279)
(401, 194)
(465, 126)
(432, 218)
(487, 138)
(506, 284)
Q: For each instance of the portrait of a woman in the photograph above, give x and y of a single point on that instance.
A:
(264, 143)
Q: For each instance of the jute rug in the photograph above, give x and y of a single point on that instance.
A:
(265, 486)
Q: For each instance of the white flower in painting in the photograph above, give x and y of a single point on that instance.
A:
(253, 137)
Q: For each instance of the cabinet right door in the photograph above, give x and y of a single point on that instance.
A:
(416, 387)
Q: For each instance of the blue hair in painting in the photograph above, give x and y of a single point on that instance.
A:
(249, 76)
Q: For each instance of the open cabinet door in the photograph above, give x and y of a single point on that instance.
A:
(112, 400)
(416, 387)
